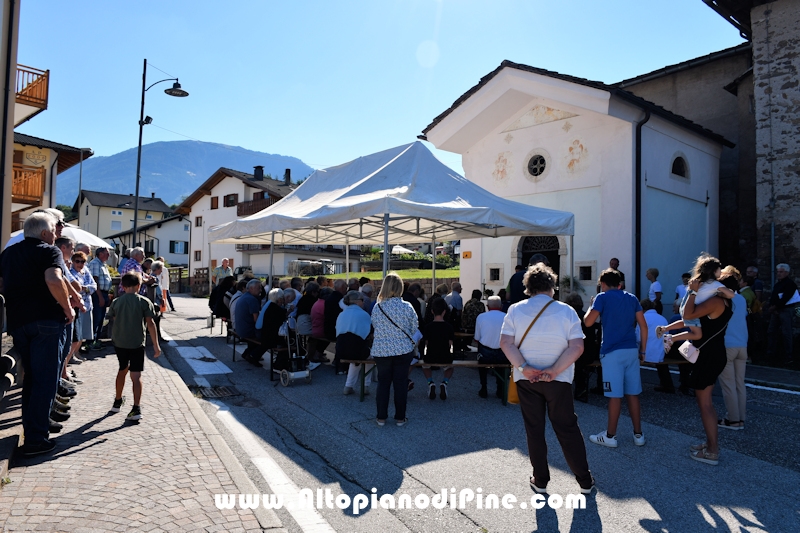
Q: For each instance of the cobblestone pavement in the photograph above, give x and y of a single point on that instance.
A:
(107, 474)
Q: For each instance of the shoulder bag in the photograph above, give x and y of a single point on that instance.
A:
(690, 352)
(513, 396)
(395, 324)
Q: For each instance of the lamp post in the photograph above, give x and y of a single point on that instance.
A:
(80, 179)
(174, 91)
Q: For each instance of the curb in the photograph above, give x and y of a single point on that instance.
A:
(267, 518)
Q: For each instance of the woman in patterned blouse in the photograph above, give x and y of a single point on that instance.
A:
(395, 323)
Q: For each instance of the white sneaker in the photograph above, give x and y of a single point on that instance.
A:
(67, 384)
(603, 439)
(639, 441)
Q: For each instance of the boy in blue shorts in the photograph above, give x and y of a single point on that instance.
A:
(619, 313)
(132, 313)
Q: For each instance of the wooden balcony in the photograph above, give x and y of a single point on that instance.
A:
(32, 89)
(28, 185)
(244, 209)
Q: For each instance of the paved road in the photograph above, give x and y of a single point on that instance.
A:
(312, 436)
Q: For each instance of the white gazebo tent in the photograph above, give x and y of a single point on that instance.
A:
(401, 195)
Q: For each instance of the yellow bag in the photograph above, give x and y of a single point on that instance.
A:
(513, 397)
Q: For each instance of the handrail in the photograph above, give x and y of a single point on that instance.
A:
(28, 184)
(32, 86)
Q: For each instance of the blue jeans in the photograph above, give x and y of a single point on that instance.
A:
(393, 371)
(486, 356)
(39, 344)
(98, 312)
(780, 327)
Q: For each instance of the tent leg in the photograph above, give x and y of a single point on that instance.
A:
(433, 272)
(347, 260)
(571, 263)
(271, 249)
(385, 244)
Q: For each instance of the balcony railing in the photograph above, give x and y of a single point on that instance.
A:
(244, 209)
(28, 185)
(32, 86)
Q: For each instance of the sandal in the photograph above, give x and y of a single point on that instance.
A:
(727, 424)
(705, 456)
(698, 447)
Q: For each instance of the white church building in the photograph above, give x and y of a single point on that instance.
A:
(641, 181)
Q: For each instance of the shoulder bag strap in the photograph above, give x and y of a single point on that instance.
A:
(717, 333)
(395, 323)
(534, 322)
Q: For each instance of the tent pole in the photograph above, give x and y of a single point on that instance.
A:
(385, 244)
(571, 263)
(433, 272)
(271, 248)
(347, 259)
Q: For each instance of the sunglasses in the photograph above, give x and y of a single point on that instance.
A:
(79, 261)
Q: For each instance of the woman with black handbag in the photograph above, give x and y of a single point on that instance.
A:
(396, 325)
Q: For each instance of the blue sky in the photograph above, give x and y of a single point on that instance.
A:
(325, 81)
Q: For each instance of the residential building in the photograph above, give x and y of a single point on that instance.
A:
(105, 213)
(36, 166)
(230, 194)
(29, 165)
(167, 238)
(635, 175)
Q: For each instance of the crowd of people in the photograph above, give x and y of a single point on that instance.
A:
(57, 300)
(395, 328)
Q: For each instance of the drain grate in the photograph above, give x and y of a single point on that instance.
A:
(214, 392)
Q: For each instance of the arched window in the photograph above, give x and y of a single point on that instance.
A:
(679, 167)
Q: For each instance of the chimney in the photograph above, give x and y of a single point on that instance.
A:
(258, 173)
(287, 177)
(153, 195)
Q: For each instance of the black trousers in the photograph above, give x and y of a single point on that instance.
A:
(555, 399)
(393, 372)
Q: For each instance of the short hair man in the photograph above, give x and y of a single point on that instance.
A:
(38, 306)
(247, 309)
(487, 336)
(454, 299)
(100, 300)
(619, 313)
(758, 285)
(783, 303)
(221, 272)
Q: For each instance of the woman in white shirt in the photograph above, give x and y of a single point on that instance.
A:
(543, 338)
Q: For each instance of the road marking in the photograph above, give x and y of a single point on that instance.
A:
(309, 520)
(193, 357)
(749, 385)
(168, 339)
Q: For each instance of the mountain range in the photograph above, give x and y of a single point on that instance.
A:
(172, 169)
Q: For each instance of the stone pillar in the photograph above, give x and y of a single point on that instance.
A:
(776, 62)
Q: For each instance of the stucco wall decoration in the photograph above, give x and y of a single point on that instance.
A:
(539, 114)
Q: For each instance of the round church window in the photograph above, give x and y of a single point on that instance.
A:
(536, 165)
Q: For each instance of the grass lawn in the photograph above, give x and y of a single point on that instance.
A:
(406, 274)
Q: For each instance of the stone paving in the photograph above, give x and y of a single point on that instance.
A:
(107, 474)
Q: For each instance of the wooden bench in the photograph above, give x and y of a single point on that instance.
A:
(666, 361)
(272, 351)
(503, 372)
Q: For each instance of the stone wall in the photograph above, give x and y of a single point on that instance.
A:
(776, 62)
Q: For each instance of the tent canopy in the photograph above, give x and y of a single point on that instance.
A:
(423, 198)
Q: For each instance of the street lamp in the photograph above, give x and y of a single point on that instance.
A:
(174, 91)
(80, 178)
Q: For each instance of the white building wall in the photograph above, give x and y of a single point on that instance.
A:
(172, 230)
(215, 217)
(680, 216)
(589, 173)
